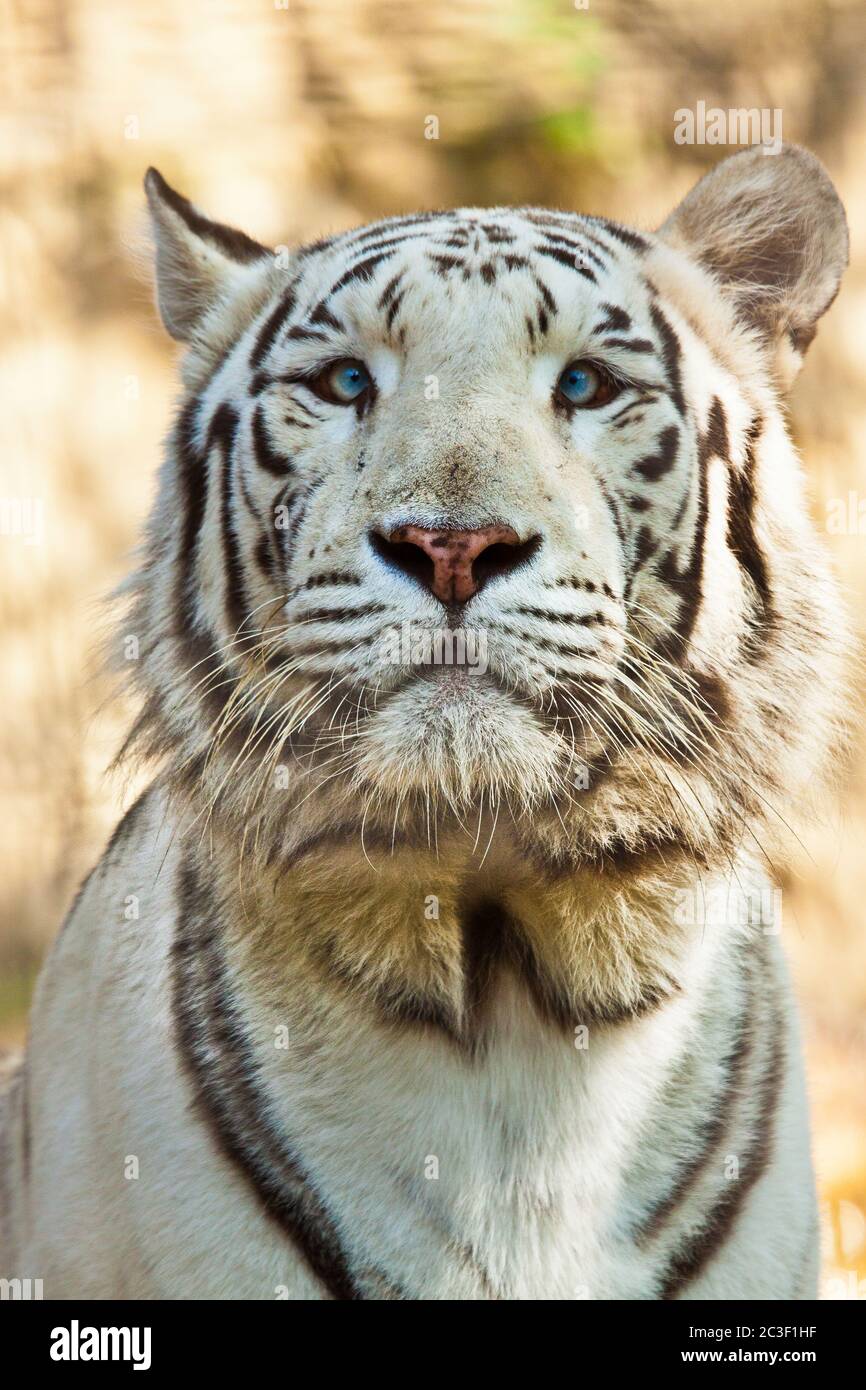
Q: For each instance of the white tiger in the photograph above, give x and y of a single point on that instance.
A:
(451, 978)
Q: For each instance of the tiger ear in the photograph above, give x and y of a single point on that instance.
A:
(772, 230)
(198, 262)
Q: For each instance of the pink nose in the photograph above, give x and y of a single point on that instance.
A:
(454, 553)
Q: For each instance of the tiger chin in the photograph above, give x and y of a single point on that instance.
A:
(450, 977)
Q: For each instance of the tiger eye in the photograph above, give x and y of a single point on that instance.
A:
(343, 382)
(586, 386)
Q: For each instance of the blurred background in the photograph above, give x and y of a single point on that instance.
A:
(300, 118)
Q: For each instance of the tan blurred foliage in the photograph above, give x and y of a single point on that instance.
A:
(299, 119)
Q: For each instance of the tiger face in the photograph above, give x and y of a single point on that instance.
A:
(498, 506)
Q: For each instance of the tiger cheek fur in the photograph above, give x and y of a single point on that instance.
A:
(453, 983)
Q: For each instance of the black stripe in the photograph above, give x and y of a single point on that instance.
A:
(645, 547)
(218, 1057)
(549, 301)
(687, 582)
(298, 404)
(671, 355)
(265, 556)
(396, 1004)
(395, 242)
(627, 410)
(495, 233)
(548, 219)
(192, 476)
(296, 504)
(714, 443)
(339, 615)
(445, 264)
(624, 416)
(299, 334)
(363, 270)
(196, 640)
(574, 581)
(617, 320)
(237, 604)
(492, 941)
(741, 536)
(566, 259)
(690, 1262)
(630, 344)
(653, 852)
(714, 1127)
(390, 290)
(393, 310)
(554, 648)
(315, 248)
(391, 224)
(550, 616)
(612, 508)
(267, 457)
(335, 578)
(624, 234)
(656, 465)
(322, 314)
(578, 247)
(270, 329)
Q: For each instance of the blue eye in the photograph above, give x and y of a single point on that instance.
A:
(583, 384)
(343, 382)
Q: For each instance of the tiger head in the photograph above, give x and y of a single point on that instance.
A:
(497, 509)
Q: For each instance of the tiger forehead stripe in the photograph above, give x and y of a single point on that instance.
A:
(322, 314)
(377, 229)
(390, 289)
(617, 320)
(549, 301)
(570, 260)
(580, 249)
(631, 239)
(361, 270)
(271, 328)
(495, 232)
